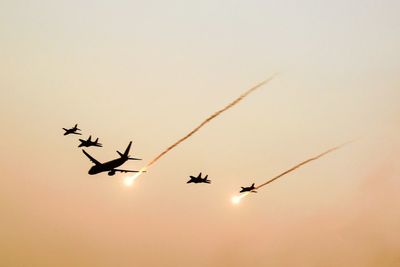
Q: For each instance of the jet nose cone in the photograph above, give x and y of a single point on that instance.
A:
(92, 171)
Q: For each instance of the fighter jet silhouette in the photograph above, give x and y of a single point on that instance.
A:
(72, 130)
(110, 166)
(89, 142)
(248, 189)
(198, 179)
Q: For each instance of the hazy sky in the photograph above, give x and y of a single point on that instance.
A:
(150, 71)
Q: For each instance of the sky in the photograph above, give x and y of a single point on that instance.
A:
(149, 72)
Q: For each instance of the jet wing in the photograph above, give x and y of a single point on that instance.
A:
(91, 158)
(120, 170)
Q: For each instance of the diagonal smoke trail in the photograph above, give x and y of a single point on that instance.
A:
(301, 164)
(216, 114)
(236, 199)
(206, 121)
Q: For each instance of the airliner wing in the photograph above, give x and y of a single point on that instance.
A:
(91, 158)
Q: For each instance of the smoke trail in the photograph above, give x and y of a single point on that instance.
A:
(301, 164)
(129, 180)
(216, 114)
(236, 199)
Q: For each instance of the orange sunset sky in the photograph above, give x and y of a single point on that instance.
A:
(149, 72)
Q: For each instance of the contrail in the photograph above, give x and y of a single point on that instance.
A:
(236, 199)
(129, 180)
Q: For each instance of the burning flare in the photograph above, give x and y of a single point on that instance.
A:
(128, 181)
(236, 199)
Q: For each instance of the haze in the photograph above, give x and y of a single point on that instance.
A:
(150, 71)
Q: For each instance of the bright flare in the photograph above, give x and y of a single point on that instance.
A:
(128, 181)
(236, 199)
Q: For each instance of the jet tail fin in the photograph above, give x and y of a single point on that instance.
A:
(120, 154)
(126, 153)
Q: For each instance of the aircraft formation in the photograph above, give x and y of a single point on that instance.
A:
(112, 166)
